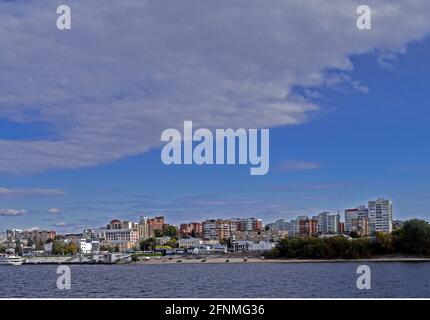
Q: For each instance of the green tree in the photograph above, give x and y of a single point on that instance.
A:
(58, 247)
(72, 248)
(322, 248)
(18, 247)
(354, 234)
(30, 242)
(383, 243)
(39, 245)
(226, 242)
(106, 248)
(148, 244)
(170, 231)
(134, 257)
(413, 238)
(158, 233)
(173, 243)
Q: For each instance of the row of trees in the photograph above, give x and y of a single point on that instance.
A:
(150, 243)
(167, 231)
(61, 248)
(412, 239)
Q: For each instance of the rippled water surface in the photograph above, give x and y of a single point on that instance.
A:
(259, 280)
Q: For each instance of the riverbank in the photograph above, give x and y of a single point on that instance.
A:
(218, 259)
(227, 260)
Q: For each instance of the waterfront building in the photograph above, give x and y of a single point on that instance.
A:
(308, 227)
(350, 215)
(218, 229)
(192, 229)
(362, 226)
(88, 246)
(13, 234)
(294, 226)
(129, 225)
(88, 234)
(38, 235)
(328, 223)
(156, 223)
(279, 225)
(190, 242)
(254, 246)
(248, 224)
(127, 235)
(114, 224)
(357, 220)
(381, 215)
(143, 228)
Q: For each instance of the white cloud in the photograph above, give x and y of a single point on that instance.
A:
(32, 229)
(61, 224)
(12, 212)
(132, 68)
(54, 210)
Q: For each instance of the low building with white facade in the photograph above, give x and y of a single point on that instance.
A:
(88, 246)
(189, 242)
(255, 246)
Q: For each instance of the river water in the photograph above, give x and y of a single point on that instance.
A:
(258, 280)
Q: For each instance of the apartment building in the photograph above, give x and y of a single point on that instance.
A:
(218, 229)
(192, 229)
(381, 215)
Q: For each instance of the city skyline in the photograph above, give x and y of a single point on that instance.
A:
(80, 139)
(369, 210)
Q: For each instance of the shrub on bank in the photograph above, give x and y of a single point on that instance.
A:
(412, 239)
(322, 248)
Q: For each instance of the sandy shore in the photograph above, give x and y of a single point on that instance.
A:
(227, 260)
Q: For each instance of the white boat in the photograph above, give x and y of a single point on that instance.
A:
(6, 259)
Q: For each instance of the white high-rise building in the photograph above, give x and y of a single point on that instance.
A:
(381, 215)
(328, 223)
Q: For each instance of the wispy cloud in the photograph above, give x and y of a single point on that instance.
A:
(297, 165)
(61, 224)
(305, 186)
(12, 212)
(19, 192)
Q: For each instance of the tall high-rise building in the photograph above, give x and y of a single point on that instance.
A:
(143, 228)
(357, 220)
(308, 227)
(248, 224)
(279, 225)
(328, 223)
(381, 215)
(294, 226)
(218, 229)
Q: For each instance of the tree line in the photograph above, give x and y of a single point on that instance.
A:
(412, 239)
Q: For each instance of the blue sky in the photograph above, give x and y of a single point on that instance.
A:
(349, 122)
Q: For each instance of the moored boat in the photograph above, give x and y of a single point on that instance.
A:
(10, 259)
